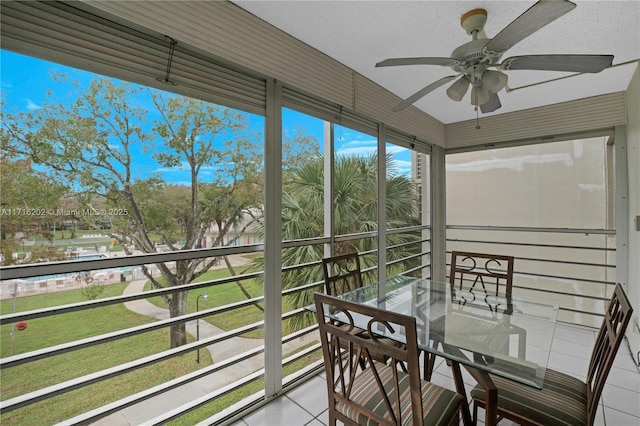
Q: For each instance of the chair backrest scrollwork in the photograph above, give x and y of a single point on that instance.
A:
(342, 273)
(481, 275)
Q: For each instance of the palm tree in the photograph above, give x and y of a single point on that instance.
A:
(355, 203)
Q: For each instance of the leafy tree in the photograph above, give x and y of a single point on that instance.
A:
(96, 141)
(355, 204)
(29, 201)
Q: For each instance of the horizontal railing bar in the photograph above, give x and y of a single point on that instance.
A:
(299, 376)
(236, 411)
(578, 311)
(568, 262)
(368, 252)
(584, 280)
(192, 405)
(404, 259)
(73, 307)
(204, 400)
(406, 229)
(126, 402)
(305, 242)
(564, 278)
(301, 354)
(170, 385)
(297, 334)
(504, 243)
(562, 293)
(50, 351)
(417, 268)
(32, 270)
(533, 229)
(61, 388)
(253, 402)
(301, 265)
(408, 243)
(286, 292)
(351, 237)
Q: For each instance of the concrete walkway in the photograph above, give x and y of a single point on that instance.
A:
(155, 406)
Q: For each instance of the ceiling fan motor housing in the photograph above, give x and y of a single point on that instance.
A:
(471, 53)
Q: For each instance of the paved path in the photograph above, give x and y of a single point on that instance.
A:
(151, 408)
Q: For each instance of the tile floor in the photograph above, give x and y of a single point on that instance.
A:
(620, 403)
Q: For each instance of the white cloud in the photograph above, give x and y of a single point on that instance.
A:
(31, 106)
(356, 147)
(183, 167)
(403, 167)
(395, 149)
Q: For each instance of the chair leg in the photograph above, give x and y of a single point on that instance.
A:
(429, 363)
(459, 383)
(475, 413)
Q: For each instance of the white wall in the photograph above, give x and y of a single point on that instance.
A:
(633, 148)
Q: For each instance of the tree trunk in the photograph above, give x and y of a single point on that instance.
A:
(178, 307)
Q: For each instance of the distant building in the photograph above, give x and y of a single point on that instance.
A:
(242, 232)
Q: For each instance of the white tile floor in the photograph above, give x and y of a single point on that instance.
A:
(620, 403)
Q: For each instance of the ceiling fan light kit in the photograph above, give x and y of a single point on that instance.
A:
(477, 62)
(479, 95)
(494, 81)
(458, 89)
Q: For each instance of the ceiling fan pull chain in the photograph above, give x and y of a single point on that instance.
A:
(477, 113)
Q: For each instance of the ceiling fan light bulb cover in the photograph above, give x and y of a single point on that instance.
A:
(479, 95)
(458, 89)
(494, 81)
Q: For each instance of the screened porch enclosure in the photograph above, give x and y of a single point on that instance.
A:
(328, 168)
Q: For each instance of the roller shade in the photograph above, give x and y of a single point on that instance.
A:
(64, 33)
(228, 31)
(309, 104)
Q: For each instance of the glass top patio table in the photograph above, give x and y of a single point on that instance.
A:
(508, 337)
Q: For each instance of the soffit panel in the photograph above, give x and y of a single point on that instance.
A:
(541, 124)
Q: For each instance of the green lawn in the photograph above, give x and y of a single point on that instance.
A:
(77, 325)
(45, 332)
(220, 295)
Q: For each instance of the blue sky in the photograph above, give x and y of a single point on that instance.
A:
(26, 80)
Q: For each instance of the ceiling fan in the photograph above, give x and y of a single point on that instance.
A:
(477, 63)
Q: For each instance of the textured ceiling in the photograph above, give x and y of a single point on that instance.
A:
(360, 33)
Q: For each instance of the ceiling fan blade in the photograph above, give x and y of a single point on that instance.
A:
(492, 104)
(537, 16)
(416, 61)
(419, 94)
(570, 63)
